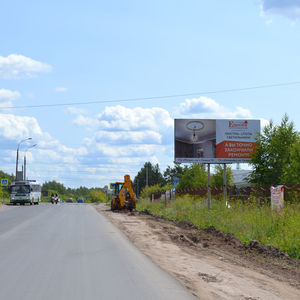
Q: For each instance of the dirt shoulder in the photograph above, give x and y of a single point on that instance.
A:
(3, 206)
(211, 264)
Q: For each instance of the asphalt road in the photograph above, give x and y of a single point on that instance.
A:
(70, 252)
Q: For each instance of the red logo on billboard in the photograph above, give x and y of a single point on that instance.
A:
(238, 124)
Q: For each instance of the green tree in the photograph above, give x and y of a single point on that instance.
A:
(97, 195)
(154, 177)
(217, 177)
(54, 186)
(82, 191)
(5, 190)
(193, 177)
(276, 154)
(171, 173)
(293, 174)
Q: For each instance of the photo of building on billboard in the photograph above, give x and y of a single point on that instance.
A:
(215, 141)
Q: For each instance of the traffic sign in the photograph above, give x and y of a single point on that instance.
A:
(175, 181)
(105, 188)
(4, 182)
(112, 186)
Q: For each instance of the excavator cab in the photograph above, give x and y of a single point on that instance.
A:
(118, 187)
(124, 197)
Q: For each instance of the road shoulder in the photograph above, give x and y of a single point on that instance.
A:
(210, 266)
(4, 207)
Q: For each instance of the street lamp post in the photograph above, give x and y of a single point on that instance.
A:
(17, 160)
(25, 160)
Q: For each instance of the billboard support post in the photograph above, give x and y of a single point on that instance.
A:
(146, 182)
(224, 185)
(208, 186)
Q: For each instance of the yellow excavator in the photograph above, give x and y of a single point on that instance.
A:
(123, 197)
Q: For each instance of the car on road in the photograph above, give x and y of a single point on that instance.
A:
(80, 200)
(70, 200)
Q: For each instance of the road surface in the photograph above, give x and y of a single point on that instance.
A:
(69, 251)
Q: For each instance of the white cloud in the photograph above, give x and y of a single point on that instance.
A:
(60, 89)
(127, 134)
(49, 155)
(7, 97)
(132, 137)
(86, 122)
(115, 162)
(122, 125)
(129, 150)
(123, 119)
(287, 8)
(204, 107)
(14, 127)
(17, 66)
(154, 160)
(76, 111)
(48, 160)
(263, 123)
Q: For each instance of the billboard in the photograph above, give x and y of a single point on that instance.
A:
(215, 141)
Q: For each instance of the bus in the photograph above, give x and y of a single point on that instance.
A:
(23, 192)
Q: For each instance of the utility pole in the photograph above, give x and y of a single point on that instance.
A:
(147, 182)
(17, 159)
(24, 168)
(25, 160)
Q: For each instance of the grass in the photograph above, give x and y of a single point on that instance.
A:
(4, 201)
(246, 221)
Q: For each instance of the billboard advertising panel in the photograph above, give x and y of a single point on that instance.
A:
(215, 141)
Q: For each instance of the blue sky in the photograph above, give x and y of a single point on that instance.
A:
(62, 52)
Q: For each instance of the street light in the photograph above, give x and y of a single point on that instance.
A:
(17, 160)
(25, 160)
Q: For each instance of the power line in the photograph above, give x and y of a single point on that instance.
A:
(157, 97)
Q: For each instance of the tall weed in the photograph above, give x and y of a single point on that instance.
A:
(247, 221)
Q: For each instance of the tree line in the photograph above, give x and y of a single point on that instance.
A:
(192, 176)
(89, 194)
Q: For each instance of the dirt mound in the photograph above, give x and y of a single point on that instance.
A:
(145, 212)
(186, 225)
(228, 238)
(267, 251)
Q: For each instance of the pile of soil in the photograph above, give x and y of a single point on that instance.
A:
(228, 239)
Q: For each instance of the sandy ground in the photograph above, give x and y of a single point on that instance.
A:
(3, 206)
(209, 263)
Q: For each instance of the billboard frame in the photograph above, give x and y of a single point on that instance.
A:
(215, 160)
